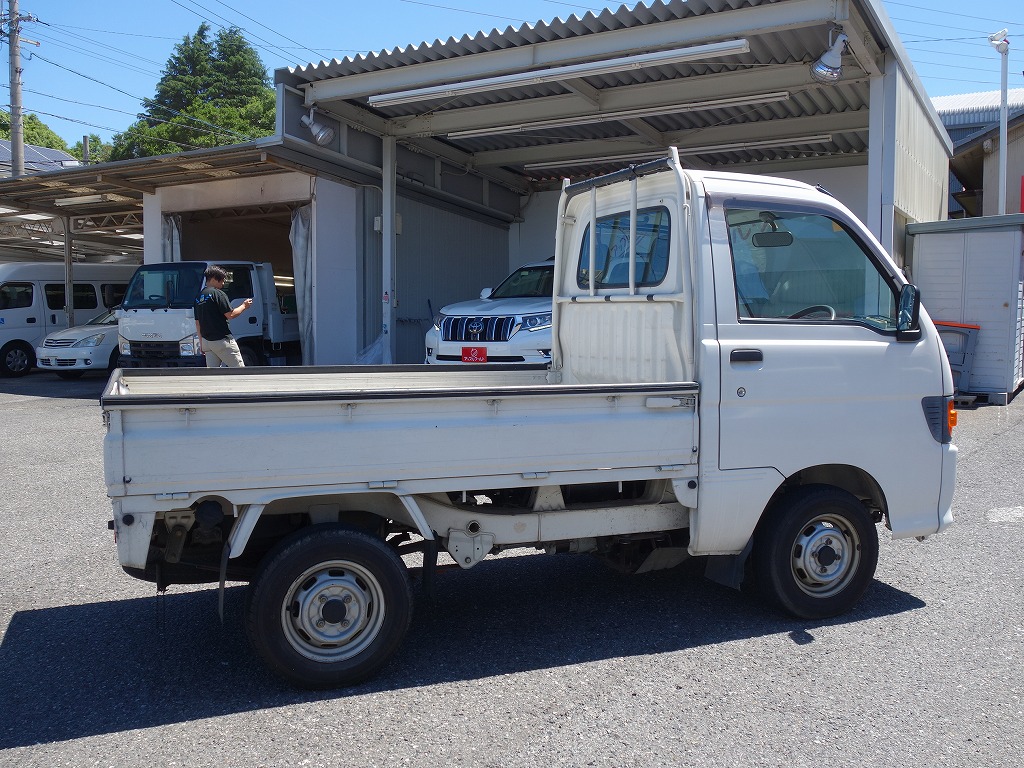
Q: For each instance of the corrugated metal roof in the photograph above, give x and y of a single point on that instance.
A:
(975, 109)
(784, 37)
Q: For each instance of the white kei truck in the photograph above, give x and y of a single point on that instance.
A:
(156, 324)
(759, 386)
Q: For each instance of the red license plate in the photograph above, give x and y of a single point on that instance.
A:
(474, 354)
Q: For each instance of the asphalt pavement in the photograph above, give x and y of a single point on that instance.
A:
(525, 660)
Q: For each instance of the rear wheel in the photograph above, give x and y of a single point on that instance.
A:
(329, 607)
(816, 552)
(16, 358)
(250, 356)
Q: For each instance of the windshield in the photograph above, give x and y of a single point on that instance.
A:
(527, 282)
(165, 285)
(105, 318)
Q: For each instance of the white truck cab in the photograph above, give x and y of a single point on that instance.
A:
(738, 373)
(156, 321)
(507, 324)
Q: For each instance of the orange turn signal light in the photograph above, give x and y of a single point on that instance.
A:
(951, 415)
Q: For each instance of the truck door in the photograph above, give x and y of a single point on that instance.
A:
(239, 286)
(812, 373)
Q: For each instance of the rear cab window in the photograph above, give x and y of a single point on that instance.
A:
(611, 262)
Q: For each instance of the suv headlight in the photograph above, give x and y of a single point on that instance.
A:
(437, 320)
(537, 322)
(89, 341)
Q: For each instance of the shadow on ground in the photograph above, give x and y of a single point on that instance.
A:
(77, 671)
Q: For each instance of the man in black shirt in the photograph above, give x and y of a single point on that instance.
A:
(213, 310)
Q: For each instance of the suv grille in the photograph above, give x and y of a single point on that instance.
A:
(477, 329)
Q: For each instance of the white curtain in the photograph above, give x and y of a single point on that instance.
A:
(171, 237)
(302, 263)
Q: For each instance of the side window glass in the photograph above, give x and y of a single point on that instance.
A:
(54, 296)
(611, 263)
(238, 284)
(15, 295)
(85, 296)
(806, 267)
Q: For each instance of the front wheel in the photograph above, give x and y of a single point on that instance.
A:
(16, 358)
(329, 607)
(816, 551)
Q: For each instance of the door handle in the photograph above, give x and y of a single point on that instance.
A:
(30, 320)
(252, 321)
(746, 356)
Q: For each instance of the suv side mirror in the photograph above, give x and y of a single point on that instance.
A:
(908, 316)
(485, 293)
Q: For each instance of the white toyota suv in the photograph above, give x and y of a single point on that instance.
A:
(510, 324)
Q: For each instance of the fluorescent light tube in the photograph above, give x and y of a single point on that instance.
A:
(624, 114)
(555, 74)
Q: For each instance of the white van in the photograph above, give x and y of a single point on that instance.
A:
(33, 304)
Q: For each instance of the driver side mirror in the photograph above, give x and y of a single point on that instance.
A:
(908, 316)
(485, 293)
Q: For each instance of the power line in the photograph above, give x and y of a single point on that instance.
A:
(269, 46)
(147, 102)
(250, 18)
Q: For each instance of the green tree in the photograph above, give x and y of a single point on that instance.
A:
(35, 131)
(211, 94)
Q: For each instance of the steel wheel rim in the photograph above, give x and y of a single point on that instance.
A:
(333, 611)
(825, 555)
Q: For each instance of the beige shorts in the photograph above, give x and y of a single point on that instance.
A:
(222, 351)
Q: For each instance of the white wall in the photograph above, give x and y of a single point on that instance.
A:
(226, 193)
(534, 238)
(847, 185)
(337, 294)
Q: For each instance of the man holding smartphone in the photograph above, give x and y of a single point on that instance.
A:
(213, 310)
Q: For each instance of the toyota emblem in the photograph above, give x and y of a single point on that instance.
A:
(476, 326)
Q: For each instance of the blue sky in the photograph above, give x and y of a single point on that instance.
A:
(95, 62)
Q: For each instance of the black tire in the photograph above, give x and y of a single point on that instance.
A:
(250, 356)
(115, 360)
(70, 374)
(16, 358)
(329, 607)
(815, 552)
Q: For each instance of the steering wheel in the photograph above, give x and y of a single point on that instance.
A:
(813, 309)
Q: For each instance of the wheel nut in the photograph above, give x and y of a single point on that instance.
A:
(321, 624)
(345, 623)
(322, 599)
(346, 599)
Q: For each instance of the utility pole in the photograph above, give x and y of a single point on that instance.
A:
(17, 124)
(14, 41)
(1002, 46)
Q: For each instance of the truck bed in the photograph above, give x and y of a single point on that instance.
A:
(415, 429)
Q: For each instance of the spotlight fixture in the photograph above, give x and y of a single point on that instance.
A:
(322, 134)
(829, 66)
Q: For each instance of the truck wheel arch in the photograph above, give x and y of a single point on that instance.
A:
(404, 510)
(853, 480)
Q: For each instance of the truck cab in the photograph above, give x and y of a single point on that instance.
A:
(156, 322)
